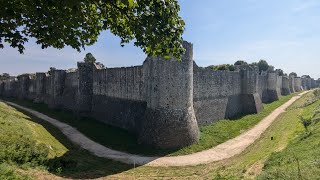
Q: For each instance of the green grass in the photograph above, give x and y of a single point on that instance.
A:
(285, 130)
(122, 140)
(247, 165)
(62, 158)
(301, 158)
(223, 130)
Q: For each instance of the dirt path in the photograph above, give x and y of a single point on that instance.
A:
(223, 151)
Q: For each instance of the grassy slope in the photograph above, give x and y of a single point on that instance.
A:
(64, 158)
(246, 165)
(15, 126)
(211, 135)
(301, 158)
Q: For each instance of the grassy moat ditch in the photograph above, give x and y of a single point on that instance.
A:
(34, 149)
(119, 139)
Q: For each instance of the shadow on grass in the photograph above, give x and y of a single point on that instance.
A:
(104, 134)
(77, 163)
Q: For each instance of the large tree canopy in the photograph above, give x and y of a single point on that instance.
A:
(153, 25)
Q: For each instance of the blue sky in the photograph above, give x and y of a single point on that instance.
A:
(286, 33)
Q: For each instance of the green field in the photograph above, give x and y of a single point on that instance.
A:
(211, 135)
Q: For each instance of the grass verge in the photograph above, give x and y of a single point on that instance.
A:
(301, 158)
(32, 147)
(211, 135)
(285, 130)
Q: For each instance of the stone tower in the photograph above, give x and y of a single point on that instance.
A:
(169, 121)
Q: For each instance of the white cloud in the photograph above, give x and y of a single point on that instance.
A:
(304, 5)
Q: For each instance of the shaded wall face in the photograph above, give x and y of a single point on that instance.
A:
(224, 94)
(123, 83)
(169, 121)
(118, 97)
(70, 92)
(263, 87)
(298, 84)
(291, 84)
(216, 95)
(273, 91)
(285, 89)
(1, 88)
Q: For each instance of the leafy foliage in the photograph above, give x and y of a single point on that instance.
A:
(263, 65)
(293, 74)
(240, 62)
(89, 58)
(154, 26)
(223, 67)
(280, 72)
(23, 151)
(4, 76)
(306, 122)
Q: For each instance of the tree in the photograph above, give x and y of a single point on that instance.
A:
(240, 62)
(223, 67)
(293, 74)
(263, 65)
(154, 26)
(89, 58)
(280, 72)
(4, 76)
(306, 76)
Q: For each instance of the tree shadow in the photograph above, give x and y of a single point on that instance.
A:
(77, 163)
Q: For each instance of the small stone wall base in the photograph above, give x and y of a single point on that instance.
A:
(84, 105)
(251, 103)
(38, 99)
(285, 91)
(271, 96)
(172, 129)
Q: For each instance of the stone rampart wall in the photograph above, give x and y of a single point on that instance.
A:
(162, 101)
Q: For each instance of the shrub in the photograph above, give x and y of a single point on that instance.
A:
(306, 122)
(22, 150)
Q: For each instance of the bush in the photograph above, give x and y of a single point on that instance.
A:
(59, 164)
(223, 67)
(22, 150)
(8, 172)
(240, 62)
(306, 122)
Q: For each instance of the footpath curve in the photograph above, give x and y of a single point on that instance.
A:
(223, 151)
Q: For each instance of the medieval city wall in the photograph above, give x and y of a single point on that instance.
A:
(291, 84)
(216, 94)
(162, 101)
(285, 87)
(297, 84)
(118, 97)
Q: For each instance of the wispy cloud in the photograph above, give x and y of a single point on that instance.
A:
(305, 5)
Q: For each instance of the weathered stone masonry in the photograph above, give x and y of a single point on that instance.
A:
(163, 101)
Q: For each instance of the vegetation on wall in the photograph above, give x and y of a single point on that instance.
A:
(4, 76)
(222, 67)
(240, 62)
(89, 58)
